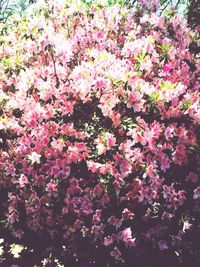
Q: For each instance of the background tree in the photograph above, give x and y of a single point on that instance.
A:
(9, 7)
(189, 8)
(194, 13)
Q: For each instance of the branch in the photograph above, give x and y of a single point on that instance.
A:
(178, 2)
(165, 6)
(54, 67)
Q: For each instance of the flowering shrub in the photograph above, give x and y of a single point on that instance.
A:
(99, 136)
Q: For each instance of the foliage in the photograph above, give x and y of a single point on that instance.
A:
(99, 147)
(8, 8)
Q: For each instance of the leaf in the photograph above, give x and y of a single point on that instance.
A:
(7, 62)
(154, 97)
(167, 85)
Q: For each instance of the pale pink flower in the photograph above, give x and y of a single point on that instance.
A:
(101, 148)
(108, 241)
(58, 144)
(23, 180)
(35, 157)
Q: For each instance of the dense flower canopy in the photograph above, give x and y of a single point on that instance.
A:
(99, 128)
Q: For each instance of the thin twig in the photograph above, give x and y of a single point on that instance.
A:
(165, 6)
(178, 2)
(55, 72)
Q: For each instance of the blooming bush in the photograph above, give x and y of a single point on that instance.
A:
(99, 136)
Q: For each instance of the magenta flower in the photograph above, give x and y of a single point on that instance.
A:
(167, 67)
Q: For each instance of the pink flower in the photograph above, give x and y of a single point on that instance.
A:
(116, 253)
(110, 140)
(100, 35)
(180, 155)
(116, 118)
(52, 188)
(167, 67)
(165, 164)
(78, 224)
(197, 193)
(104, 202)
(167, 191)
(127, 214)
(125, 168)
(115, 221)
(108, 241)
(100, 84)
(127, 237)
(66, 171)
(101, 148)
(98, 190)
(97, 109)
(192, 177)
(96, 219)
(10, 170)
(58, 144)
(23, 180)
(13, 217)
(168, 133)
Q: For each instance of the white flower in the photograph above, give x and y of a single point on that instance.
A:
(35, 157)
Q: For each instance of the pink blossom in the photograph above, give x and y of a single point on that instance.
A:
(197, 193)
(167, 67)
(23, 180)
(127, 214)
(12, 217)
(115, 221)
(167, 191)
(57, 144)
(99, 118)
(192, 177)
(110, 141)
(127, 237)
(116, 253)
(108, 241)
(52, 188)
(101, 148)
(168, 133)
(98, 190)
(97, 217)
(143, 2)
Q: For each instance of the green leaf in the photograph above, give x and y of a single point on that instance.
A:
(7, 62)
(154, 97)
(164, 49)
(186, 104)
(167, 85)
(140, 57)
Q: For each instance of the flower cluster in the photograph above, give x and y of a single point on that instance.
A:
(99, 132)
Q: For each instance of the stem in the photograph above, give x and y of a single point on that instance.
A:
(55, 72)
